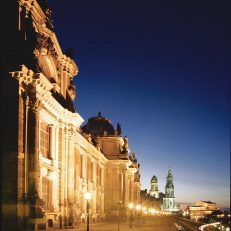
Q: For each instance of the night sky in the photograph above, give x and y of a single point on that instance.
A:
(161, 69)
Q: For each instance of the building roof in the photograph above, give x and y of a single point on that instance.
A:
(208, 202)
(169, 173)
(98, 125)
(154, 178)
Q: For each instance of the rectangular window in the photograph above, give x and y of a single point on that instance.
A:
(44, 140)
(101, 176)
(47, 193)
(92, 171)
(81, 167)
(88, 169)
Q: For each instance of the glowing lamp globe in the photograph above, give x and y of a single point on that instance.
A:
(87, 195)
(138, 207)
(130, 205)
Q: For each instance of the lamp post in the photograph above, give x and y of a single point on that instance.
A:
(143, 213)
(130, 206)
(119, 203)
(138, 208)
(87, 198)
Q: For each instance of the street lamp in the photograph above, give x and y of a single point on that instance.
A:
(119, 203)
(138, 208)
(130, 206)
(87, 197)
(151, 211)
(143, 213)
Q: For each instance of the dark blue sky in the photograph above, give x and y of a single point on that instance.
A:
(161, 69)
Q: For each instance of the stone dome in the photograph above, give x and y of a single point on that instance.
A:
(98, 125)
(154, 179)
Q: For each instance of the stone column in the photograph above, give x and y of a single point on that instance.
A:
(33, 148)
(94, 173)
(26, 106)
(70, 177)
(130, 188)
(84, 168)
(56, 156)
(126, 188)
(102, 202)
(122, 186)
(65, 161)
(33, 159)
(102, 172)
(56, 170)
(61, 165)
(21, 171)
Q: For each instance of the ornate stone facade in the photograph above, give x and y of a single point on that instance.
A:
(48, 160)
(154, 191)
(200, 209)
(122, 171)
(169, 204)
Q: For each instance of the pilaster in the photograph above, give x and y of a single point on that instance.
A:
(34, 201)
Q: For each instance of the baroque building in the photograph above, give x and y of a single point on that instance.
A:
(169, 204)
(49, 158)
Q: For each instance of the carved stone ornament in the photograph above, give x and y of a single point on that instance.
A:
(125, 146)
(46, 56)
(44, 46)
(137, 177)
(70, 133)
(72, 91)
(133, 157)
(35, 105)
(98, 146)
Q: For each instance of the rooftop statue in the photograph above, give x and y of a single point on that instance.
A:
(133, 157)
(125, 148)
(119, 128)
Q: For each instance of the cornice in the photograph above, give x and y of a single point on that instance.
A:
(132, 171)
(42, 92)
(91, 149)
(39, 23)
(123, 164)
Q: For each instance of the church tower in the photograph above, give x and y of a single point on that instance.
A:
(154, 191)
(169, 204)
(169, 188)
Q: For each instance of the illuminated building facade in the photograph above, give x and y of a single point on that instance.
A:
(49, 160)
(154, 191)
(149, 201)
(169, 204)
(200, 209)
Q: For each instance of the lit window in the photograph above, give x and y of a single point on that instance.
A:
(44, 140)
(47, 193)
(81, 167)
(92, 171)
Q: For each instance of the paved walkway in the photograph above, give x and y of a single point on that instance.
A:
(154, 224)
